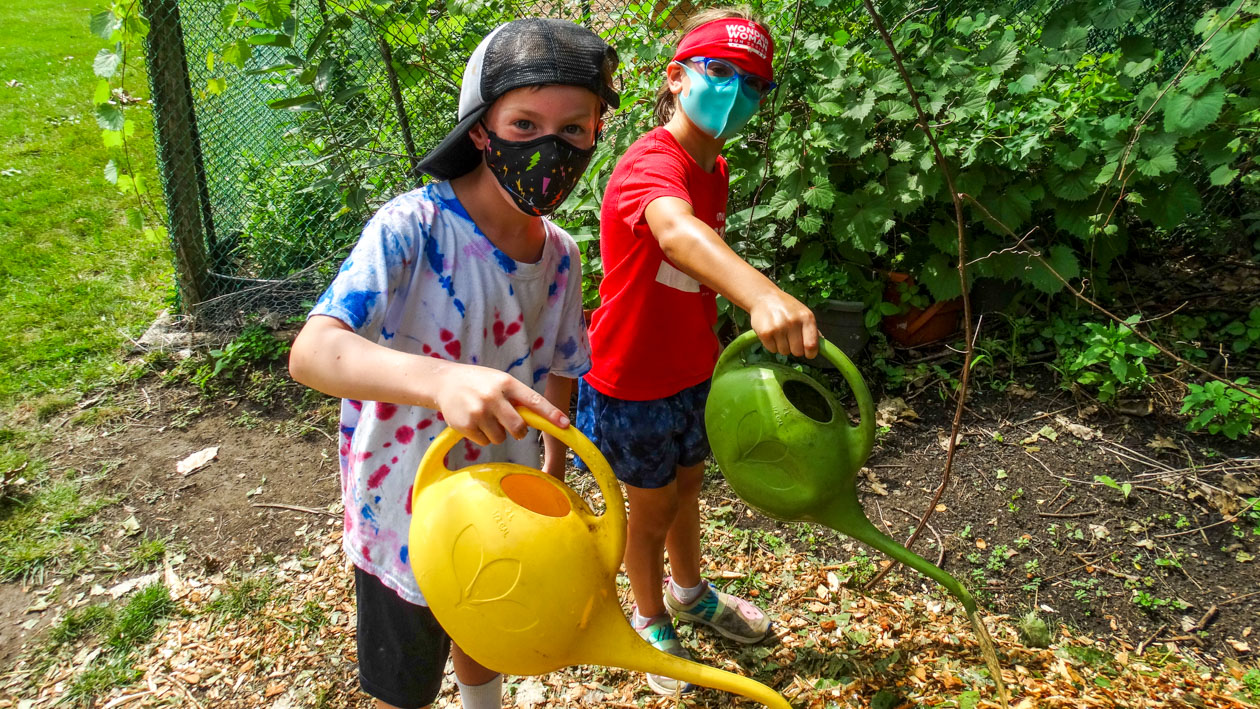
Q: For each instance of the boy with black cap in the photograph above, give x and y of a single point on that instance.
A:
(459, 303)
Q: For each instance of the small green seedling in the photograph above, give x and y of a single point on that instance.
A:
(1122, 488)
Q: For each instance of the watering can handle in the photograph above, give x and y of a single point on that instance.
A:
(433, 468)
(733, 355)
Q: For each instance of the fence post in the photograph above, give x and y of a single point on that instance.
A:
(175, 126)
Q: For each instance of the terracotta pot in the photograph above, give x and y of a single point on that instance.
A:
(918, 326)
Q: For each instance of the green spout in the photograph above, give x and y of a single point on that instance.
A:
(845, 515)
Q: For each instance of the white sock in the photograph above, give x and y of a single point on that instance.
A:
(640, 622)
(687, 596)
(481, 696)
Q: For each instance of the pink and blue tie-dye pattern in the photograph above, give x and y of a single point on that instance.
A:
(424, 279)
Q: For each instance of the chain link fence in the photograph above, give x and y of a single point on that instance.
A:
(278, 142)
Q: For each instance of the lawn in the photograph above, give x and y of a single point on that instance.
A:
(75, 280)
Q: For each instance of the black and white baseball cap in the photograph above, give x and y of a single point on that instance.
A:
(529, 52)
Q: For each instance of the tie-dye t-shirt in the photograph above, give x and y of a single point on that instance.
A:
(424, 279)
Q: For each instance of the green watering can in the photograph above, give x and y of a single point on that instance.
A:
(785, 445)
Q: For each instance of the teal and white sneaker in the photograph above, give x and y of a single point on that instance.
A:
(660, 633)
(731, 616)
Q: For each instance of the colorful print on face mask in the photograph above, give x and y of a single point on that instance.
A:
(540, 173)
(720, 108)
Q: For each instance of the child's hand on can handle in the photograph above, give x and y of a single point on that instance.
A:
(784, 325)
(480, 403)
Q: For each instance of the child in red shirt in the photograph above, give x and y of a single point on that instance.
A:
(653, 347)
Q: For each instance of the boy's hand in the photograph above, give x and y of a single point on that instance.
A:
(480, 403)
(785, 325)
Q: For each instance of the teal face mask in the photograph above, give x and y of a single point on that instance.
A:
(719, 107)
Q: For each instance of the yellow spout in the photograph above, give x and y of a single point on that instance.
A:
(615, 643)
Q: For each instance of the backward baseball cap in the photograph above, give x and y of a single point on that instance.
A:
(528, 52)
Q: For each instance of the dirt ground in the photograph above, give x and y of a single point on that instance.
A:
(1025, 522)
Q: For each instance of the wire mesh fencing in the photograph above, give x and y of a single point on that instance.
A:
(282, 126)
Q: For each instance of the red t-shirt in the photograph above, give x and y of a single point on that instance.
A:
(652, 335)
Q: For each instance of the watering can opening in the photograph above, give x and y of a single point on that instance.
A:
(535, 494)
(808, 400)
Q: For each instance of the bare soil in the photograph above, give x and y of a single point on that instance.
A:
(1023, 522)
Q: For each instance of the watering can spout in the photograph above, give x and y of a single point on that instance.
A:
(860, 528)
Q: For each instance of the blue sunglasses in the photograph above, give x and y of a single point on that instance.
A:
(724, 71)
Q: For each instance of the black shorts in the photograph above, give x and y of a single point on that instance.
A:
(402, 649)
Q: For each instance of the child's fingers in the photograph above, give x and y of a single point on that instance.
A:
(809, 338)
(522, 395)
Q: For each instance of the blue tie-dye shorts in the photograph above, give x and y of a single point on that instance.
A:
(646, 441)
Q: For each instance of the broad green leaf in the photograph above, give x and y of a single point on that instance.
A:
(1174, 204)
(1231, 46)
(1075, 185)
(109, 117)
(273, 40)
(861, 109)
(238, 53)
(112, 138)
(828, 108)
(1161, 154)
(1114, 14)
(820, 196)
(894, 110)
(810, 223)
(783, 205)
(324, 74)
(111, 173)
(293, 102)
(102, 93)
(1223, 175)
(1024, 84)
(106, 63)
(273, 13)
(885, 81)
(999, 56)
(103, 24)
(345, 94)
(1188, 114)
(135, 218)
(1064, 262)
(902, 150)
(1069, 159)
(940, 275)
(216, 85)
(228, 14)
(1010, 206)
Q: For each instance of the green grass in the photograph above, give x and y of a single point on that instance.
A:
(243, 597)
(47, 528)
(75, 280)
(125, 632)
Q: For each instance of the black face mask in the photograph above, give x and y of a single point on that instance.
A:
(540, 173)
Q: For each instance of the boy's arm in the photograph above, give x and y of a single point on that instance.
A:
(782, 322)
(479, 402)
(558, 391)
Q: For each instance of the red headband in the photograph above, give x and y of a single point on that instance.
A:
(744, 43)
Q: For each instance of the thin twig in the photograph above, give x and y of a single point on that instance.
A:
(1239, 599)
(968, 336)
(1142, 645)
(1065, 515)
(295, 508)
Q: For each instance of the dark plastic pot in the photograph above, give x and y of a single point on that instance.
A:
(843, 323)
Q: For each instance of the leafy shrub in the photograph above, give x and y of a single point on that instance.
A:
(1221, 409)
(1112, 361)
(291, 220)
(255, 344)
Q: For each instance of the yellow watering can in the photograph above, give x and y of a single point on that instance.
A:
(521, 573)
